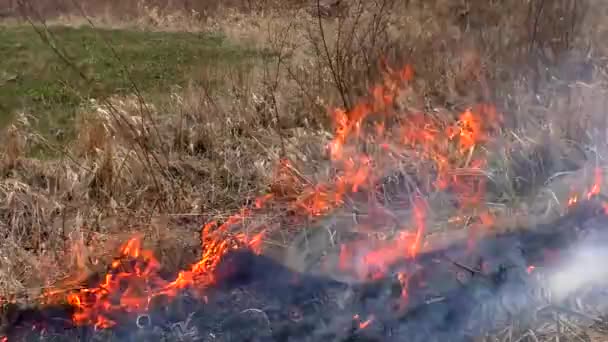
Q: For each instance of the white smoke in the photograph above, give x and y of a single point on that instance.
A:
(585, 266)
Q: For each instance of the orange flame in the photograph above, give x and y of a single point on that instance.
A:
(133, 279)
(365, 263)
(364, 324)
(597, 183)
(420, 136)
(594, 189)
(572, 200)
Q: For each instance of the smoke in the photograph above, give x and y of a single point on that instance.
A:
(586, 265)
(525, 276)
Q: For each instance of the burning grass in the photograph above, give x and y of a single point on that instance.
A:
(431, 148)
(133, 280)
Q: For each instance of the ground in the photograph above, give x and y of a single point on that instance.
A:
(157, 119)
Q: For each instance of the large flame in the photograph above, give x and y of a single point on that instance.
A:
(363, 148)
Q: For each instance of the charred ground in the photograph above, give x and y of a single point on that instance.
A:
(457, 296)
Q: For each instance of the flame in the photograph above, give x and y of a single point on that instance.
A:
(416, 135)
(594, 189)
(134, 280)
(369, 261)
(572, 200)
(363, 324)
(447, 150)
(597, 183)
(366, 323)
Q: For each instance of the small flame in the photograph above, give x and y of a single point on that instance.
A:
(594, 189)
(366, 323)
(572, 200)
(403, 280)
(363, 324)
(597, 183)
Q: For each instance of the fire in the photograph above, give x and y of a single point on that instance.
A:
(594, 189)
(360, 152)
(447, 152)
(597, 183)
(136, 267)
(364, 324)
(134, 280)
(372, 261)
(572, 200)
(440, 148)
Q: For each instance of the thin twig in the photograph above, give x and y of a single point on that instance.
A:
(332, 68)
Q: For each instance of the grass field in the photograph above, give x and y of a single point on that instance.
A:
(95, 63)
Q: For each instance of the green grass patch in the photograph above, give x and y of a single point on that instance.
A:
(33, 78)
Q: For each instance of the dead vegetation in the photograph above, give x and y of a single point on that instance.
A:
(207, 152)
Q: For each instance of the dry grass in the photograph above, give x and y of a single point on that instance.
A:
(206, 152)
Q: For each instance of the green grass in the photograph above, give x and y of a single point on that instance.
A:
(33, 78)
